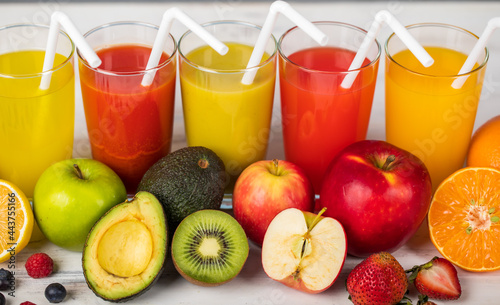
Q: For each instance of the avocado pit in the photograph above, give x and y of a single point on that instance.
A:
(125, 249)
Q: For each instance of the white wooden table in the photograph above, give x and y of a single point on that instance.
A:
(252, 286)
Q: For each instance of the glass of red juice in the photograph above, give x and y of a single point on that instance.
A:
(129, 125)
(319, 117)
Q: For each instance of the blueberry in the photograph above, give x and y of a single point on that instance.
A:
(4, 284)
(2, 299)
(5, 278)
(5, 274)
(55, 293)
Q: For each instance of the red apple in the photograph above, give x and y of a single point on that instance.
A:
(266, 188)
(303, 250)
(379, 193)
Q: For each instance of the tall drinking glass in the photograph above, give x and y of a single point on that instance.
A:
(424, 113)
(36, 126)
(220, 112)
(319, 116)
(129, 125)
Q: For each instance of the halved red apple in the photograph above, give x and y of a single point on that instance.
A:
(303, 250)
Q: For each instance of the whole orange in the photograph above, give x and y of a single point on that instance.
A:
(484, 149)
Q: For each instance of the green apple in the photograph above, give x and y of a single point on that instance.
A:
(71, 195)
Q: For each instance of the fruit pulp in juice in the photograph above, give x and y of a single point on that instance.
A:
(221, 113)
(319, 117)
(425, 115)
(129, 126)
(36, 126)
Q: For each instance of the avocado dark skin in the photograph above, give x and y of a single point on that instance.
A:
(185, 181)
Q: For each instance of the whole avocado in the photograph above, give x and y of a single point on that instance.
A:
(185, 181)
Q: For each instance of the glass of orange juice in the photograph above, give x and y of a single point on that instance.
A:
(424, 113)
(36, 126)
(220, 112)
(130, 125)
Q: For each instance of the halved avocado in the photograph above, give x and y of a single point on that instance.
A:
(126, 249)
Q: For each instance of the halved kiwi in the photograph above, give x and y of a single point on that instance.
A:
(209, 248)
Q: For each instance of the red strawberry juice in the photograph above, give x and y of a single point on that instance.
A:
(319, 117)
(129, 125)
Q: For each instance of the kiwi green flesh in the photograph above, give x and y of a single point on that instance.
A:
(209, 248)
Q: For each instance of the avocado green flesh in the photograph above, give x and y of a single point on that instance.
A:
(146, 210)
(209, 247)
(185, 181)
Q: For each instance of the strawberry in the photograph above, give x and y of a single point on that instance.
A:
(436, 279)
(378, 280)
(424, 300)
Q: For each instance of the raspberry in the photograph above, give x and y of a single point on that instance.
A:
(39, 265)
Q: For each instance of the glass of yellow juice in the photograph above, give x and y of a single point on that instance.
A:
(36, 126)
(220, 112)
(425, 114)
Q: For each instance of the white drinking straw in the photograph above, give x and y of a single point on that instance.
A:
(493, 24)
(60, 19)
(403, 34)
(161, 38)
(260, 45)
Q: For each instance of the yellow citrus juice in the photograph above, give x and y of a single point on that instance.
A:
(220, 112)
(36, 126)
(426, 115)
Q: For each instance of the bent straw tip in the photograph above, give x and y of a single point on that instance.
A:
(279, 4)
(57, 14)
(174, 9)
(494, 22)
(383, 15)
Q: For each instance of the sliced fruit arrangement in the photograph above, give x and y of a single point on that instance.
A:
(464, 219)
(209, 248)
(185, 181)
(437, 279)
(16, 220)
(303, 250)
(377, 280)
(126, 249)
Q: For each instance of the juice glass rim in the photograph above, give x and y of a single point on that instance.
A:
(443, 25)
(170, 58)
(228, 71)
(38, 74)
(341, 24)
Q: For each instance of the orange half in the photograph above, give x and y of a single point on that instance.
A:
(464, 218)
(16, 220)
